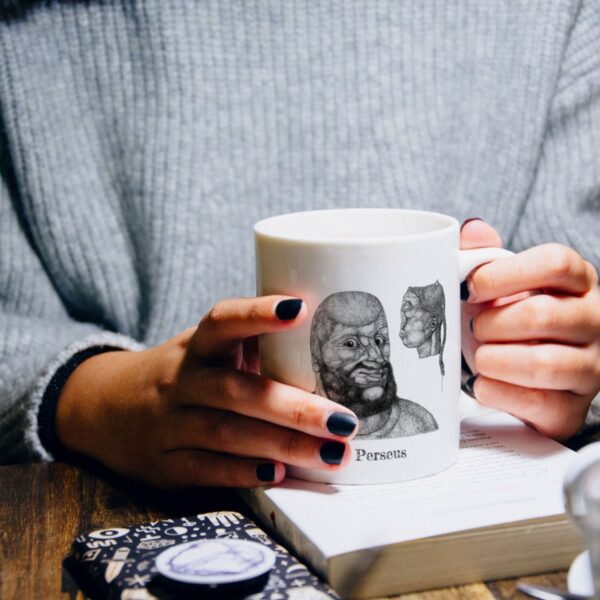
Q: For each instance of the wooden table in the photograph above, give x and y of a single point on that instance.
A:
(44, 506)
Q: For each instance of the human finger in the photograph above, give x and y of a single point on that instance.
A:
(184, 468)
(569, 319)
(232, 433)
(230, 321)
(546, 365)
(476, 233)
(549, 266)
(250, 354)
(557, 414)
(262, 398)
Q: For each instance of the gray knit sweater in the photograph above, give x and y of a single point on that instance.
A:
(141, 139)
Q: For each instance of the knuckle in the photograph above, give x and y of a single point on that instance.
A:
(543, 363)
(228, 388)
(538, 400)
(233, 473)
(224, 430)
(590, 371)
(563, 262)
(291, 446)
(262, 389)
(577, 365)
(541, 313)
(186, 338)
(592, 273)
(182, 340)
(563, 419)
(167, 375)
(166, 382)
(216, 313)
(549, 412)
(298, 413)
(254, 313)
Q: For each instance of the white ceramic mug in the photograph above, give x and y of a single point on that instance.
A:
(383, 330)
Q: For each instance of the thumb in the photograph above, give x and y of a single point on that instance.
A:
(476, 233)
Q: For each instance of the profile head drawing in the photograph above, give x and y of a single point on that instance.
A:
(350, 348)
(423, 321)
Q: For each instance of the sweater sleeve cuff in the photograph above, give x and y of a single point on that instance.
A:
(40, 435)
(47, 409)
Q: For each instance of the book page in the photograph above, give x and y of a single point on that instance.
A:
(505, 472)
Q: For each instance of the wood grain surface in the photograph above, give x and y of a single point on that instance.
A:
(43, 507)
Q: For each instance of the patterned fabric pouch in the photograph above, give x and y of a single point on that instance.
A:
(119, 563)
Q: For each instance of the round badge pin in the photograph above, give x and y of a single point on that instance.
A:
(218, 565)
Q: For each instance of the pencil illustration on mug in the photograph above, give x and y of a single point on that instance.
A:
(423, 321)
(350, 349)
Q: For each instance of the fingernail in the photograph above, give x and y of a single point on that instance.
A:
(469, 220)
(265, 472)
(286, 310)
(471, 325)
(464, 291)
(469, 384)
(332, 452)
(341, 423)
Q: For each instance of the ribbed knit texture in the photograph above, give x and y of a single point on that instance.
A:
(141, 139)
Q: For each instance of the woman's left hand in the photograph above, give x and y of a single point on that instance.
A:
(539, 357)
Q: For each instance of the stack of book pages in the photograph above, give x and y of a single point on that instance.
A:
(497, 513)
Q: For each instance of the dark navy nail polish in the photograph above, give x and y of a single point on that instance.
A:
(464, 291)
(265, 472)
(340, 423)
(469, 220)
(332, 452)
(471, 326)
(469, 384)
(286, 310)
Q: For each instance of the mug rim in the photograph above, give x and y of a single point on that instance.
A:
(262, 227)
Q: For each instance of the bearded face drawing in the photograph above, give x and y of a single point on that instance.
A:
(350, 348)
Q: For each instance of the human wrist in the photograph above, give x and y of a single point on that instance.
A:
(76, 415)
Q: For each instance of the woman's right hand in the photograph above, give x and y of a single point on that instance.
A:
(195, 411)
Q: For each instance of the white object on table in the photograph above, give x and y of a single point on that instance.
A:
(580, 580)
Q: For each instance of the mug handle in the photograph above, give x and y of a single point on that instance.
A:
(471, 259)
(467, 261)
(585, 458)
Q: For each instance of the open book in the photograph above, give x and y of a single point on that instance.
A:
(496, 513)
